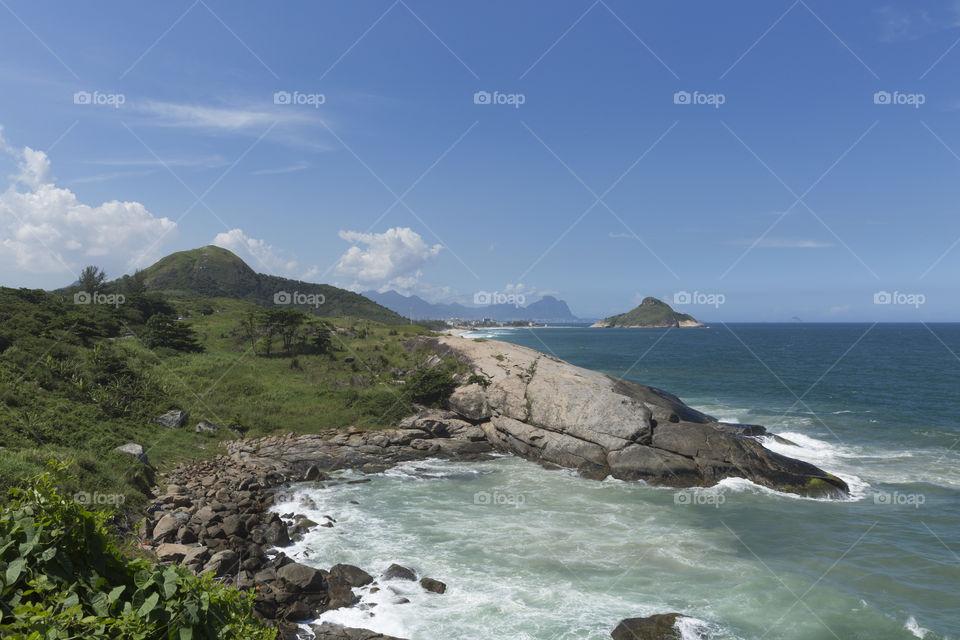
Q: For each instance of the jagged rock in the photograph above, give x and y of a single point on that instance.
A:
(302, 577)
(166, 527)
(470, 401)
(433, 585)
(657, 627)
(351, 575)
(173, 419)
(330, 631)
(134, 450)
(171, 552)
(222, 563)
(397, 572)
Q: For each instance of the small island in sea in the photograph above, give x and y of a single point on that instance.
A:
(650, 314)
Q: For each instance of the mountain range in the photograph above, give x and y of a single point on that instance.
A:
(546, 310)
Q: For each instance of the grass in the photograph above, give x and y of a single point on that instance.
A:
(68, 396)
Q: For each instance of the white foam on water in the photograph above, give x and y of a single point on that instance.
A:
(833, 458)
(913, 627)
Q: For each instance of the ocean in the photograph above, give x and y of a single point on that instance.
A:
(535, 554)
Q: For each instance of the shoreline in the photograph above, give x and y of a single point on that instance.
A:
(215, 516)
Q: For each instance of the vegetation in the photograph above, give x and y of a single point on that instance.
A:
(78, 380)
(650, 313)
(214, 272)
(62, 575)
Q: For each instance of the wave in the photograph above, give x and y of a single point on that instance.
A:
(913, 627)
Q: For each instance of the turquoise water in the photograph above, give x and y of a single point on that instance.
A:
(534, 554)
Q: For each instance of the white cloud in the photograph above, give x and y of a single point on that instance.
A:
(389, 259)
(45, 229)
(258, 254)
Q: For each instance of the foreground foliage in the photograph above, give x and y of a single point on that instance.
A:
(63, 577)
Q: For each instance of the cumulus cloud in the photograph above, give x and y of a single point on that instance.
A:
(45, 229)
(385, 260)
(260, 255)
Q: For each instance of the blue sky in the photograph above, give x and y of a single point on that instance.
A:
(802, 195)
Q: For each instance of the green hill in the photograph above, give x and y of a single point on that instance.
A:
(214, 272)
(650, 314)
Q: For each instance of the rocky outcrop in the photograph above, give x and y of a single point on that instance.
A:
(544, 409)
(657, 627)
(330, 631)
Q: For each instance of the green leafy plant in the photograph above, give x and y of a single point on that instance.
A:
(62, 576)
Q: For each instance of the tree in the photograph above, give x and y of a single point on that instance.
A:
(92, 279)
(162, 331)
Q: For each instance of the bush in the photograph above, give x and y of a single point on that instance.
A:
(62, 576)
(429, 386)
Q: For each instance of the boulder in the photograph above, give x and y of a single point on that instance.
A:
(302, 577)
(170, 552)
(433, 585)
(330, 631)
(470, 401)
(397, 572)
(657, 627)
(205, 426)
(166, 527)
(222, 563)
(133, 450)
(173, 419)
(351, 575)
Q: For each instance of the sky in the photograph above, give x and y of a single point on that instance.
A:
(758, 160)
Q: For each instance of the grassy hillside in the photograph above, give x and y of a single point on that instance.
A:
(78, 380)
(651, 312)
(214, 272)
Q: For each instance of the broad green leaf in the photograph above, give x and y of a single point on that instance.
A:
(14, 569)
(148, 605)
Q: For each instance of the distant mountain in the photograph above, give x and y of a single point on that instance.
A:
(650, 314)
(215, 272)
(547, 309)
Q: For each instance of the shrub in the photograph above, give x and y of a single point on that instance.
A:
(63, 576)
(429, 386)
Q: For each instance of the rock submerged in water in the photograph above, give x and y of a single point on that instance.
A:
(547, 410)
(657, 627)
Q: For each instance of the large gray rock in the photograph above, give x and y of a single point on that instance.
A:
(301, 576)
(134, 450)
(330, 631)
(470, 401)
(544, 409)
(173, 419)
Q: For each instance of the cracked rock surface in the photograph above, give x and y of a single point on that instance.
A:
(544, 409)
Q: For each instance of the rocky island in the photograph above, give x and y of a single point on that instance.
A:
(651, 313)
